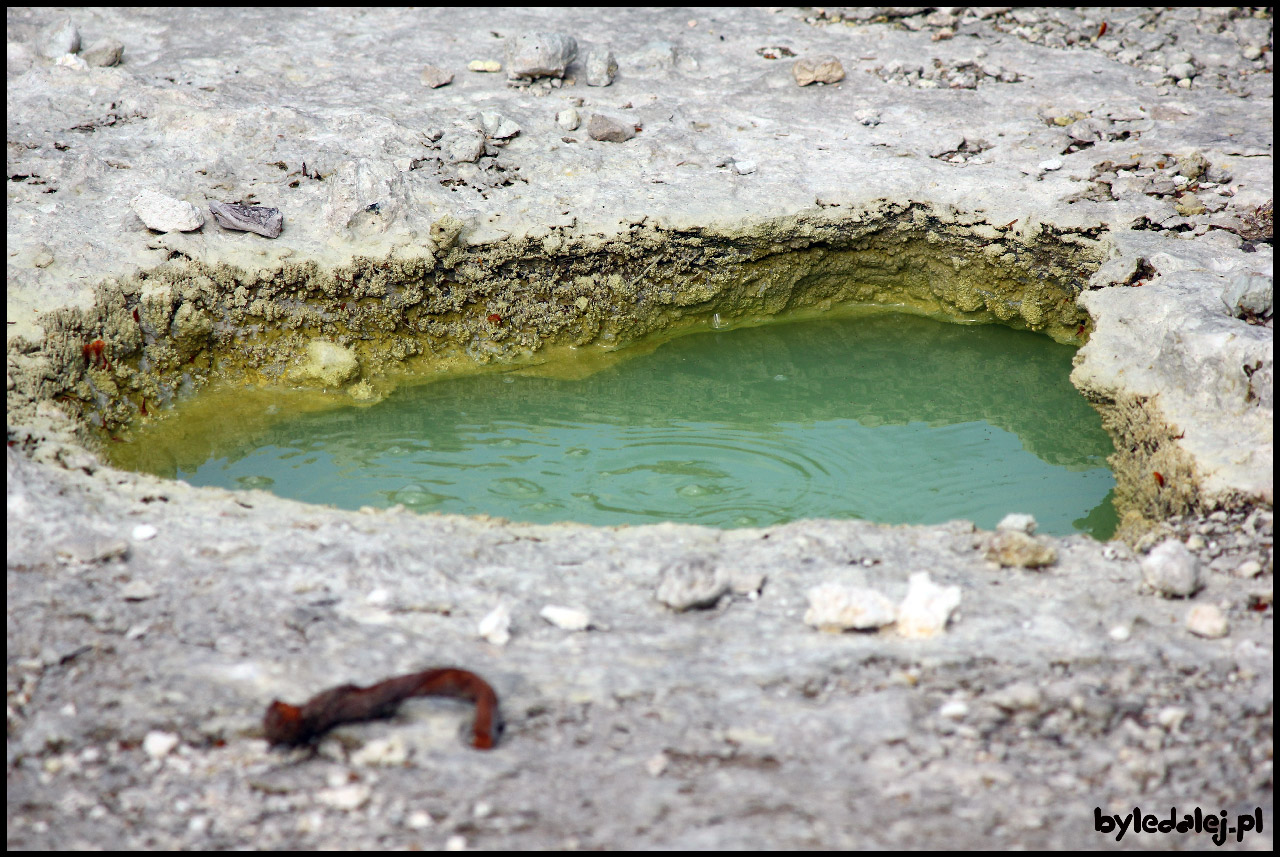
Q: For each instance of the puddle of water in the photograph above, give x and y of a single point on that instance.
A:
(886, 417)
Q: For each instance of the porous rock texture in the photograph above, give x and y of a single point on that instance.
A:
(1102, 184)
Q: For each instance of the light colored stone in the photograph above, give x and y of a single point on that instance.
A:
(166, 214)
(435, 77)
(568, 119)
(498, 126)
(59, 39)
(159, 744)
(485, 66)
(103, 53)
(601, 66)
(327, 364)
(533, 55)
(1016, 522)
(820, 69)
(567, 618)
(495, 627)
(927, 607)
(1207, 620)
(1014, 548)
(138, 590)
(836, 607)
(695, 582)
(1172, 570)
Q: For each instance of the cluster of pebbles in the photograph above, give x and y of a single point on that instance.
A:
(1232, 44)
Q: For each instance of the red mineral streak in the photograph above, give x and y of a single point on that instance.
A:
(292, 726)
(1159, 477)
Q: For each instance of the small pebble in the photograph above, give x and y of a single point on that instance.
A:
(1119, 633)
(498, 127)
(606, 129)
(143, 532)
(692, 583)
(1049, 165)
(1207, 620)
(1016, 549)
(954, 709)
(166, 214)
(436, 77)
(600, 67)
(258, 219)
(1171, 717)
(835, 607)
(566, 617)
(823, 69)
(568, 119)
(345, 798)
(925, 610)
(1251, 568)
(104, 53)
(1171, 569)
(137, 590)
(1017, 523)
(496, 627)
(157, 744)
(534, 55)
(744, 168)
(486, 66)
(59, 39)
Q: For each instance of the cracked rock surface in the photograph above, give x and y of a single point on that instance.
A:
(150, 623)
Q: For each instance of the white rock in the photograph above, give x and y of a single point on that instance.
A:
(59, 38)
(137, 590)
(1016, 522)
(927, 607)
(497, 126)
(166, 214)
(568, 119)
(837, 607)
(157, 745)
(692, 582)
(566, 617)
(387, 752)
(1206, 620)
(1171, 569)
(954, 709)
(744, 168)
(143, 532)
(345, 798)
(496, 627)
(1049, 165)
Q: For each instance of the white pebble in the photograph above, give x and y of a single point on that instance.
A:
(418, 820)
(566, 617)
(568, 119)
(1171, 716)
(455, 843)
(1171, 569)
(137, 590)
(496, 627)
(1019, 523)
(744, 168)
(166, 214)
(345, 798)
(157, 745)
(955, 709)
(388, 752)
(1119, 633)
(377, 597)
(1049, 165)
(1206, 620)
(1252, 568)
(927, 607)
(143, 532)
(836, 607)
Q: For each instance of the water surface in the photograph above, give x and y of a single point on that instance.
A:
(888, 417)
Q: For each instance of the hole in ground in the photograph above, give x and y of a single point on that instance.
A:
(861, 413)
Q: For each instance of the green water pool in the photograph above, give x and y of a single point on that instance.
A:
(885, 417)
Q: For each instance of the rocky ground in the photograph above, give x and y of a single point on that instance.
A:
(150, 623)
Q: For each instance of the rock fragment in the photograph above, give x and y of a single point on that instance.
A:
(495, 627)
(1014, 548)
(258, 219)
(464, 147)
(498, 127)
(104, 53)
(533, 55)
(1207, 620)
(59, 39)
(692, 583)
(568, 119)
(1014, 522)
(435, 77)
(601, 66)
(1172, 570)
(1249, 295)
(166, 214)
(834, 607)
(821, 69)
(606, 129)
(158, 744)
(927, 607)
(566, 617)
(485, 66)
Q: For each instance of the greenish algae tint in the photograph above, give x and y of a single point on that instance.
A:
(885, 417)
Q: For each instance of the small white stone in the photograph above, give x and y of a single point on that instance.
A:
(954, 709)
(657, 764)
(496, 627)
(1251, 568)
(1171, 569)
(1017, 522)
(455, 843)
(388, 752)
(377, 597)
(568, 119)
(157, 745)
(137, 590)
(836, 607)
(487, 66)
(566, 617)
(143, 532)
(927, 607)
(1195, 542)
(418, 820)
(1049, 165)
(1206, 620)
(166, 214)
(1171, 717)
(346, 798)
(744, 168)
(1119, 633)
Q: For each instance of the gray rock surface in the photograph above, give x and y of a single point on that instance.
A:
(150, 623)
